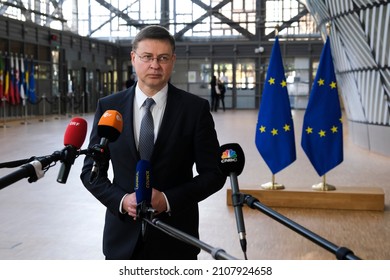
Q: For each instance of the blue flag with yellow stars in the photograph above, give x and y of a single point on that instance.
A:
(322, 131)
(275, 129)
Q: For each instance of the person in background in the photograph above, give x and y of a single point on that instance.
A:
(222, 90)
(184, 136)
(214, 94)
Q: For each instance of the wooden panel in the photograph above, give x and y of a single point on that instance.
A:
(343, 198)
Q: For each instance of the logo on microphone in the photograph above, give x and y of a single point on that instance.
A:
(74, 123)
(146, 178)
(147, 183)
(229, 155)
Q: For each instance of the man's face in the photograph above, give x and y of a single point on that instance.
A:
(153, 75)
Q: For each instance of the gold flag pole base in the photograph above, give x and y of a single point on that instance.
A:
(323, 186)
(272, 185)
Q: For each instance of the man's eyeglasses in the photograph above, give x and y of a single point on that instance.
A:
(161, 59)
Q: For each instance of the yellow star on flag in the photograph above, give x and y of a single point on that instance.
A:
(283, 83)
(274, 132)
(334, 129)
(262, 129)
(286, 127)
(271, 81)
(322, 133)
(321, 82)
(333, 85)
(309, 130)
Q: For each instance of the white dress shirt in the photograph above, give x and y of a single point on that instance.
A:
(160, 99)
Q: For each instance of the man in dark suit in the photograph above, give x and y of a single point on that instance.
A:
(184, 135)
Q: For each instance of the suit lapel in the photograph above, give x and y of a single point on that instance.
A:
(171, 114)
(128, 121)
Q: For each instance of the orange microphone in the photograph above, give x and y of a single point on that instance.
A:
(109, 128)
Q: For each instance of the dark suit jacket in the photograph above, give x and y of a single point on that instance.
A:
(186, 136)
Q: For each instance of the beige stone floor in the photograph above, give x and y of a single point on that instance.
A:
(47, 220)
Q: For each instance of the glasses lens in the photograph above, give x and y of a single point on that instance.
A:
(162, 59)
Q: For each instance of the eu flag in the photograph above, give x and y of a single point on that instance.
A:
(275, 129)
(322, 132)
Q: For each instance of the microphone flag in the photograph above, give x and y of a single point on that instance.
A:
(275, 128)
(110, 125)
(322, 131)
(232, 159)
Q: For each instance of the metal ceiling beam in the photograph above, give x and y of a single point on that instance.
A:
(26, 12)
(214, 11)
(288, 23)
(57, 13)
(121, 14)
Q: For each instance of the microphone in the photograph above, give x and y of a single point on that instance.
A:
(109, 128)
(35, 168)
(143, 192)
(73, 140)
(232, 164)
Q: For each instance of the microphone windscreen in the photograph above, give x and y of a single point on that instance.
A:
(143, 189)
(75, 132)
(110, 125)
(232, 159)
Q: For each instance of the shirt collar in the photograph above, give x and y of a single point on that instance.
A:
(160, 98)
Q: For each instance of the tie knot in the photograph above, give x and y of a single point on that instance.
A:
(148, 103)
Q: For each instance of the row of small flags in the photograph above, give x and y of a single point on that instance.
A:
(322, 135)
(17, 81)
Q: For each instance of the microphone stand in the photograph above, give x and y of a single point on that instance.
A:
(35, 167)
(16, 163)
(216, 253)
(146, 214)
(32, 170)
(341, 253)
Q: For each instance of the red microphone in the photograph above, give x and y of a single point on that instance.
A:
(73, 140)
(75, 132)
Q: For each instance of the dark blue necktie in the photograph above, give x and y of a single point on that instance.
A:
(146, 135)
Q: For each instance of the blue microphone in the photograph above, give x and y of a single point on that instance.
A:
(143, 189)
(143, 193)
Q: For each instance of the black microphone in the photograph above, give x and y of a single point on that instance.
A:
(143, 192)
(109, 128)
(232, 164)
(73, 140)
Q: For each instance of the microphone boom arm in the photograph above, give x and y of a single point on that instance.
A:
(341, 253)
(216, 253)
(33, 170)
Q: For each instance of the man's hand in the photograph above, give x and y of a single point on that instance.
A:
(158, 202)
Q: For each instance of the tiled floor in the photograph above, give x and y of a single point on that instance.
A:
(48, 220)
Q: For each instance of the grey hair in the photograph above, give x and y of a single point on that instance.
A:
(155, 32)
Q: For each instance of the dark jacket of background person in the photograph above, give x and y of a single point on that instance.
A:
(214, 95)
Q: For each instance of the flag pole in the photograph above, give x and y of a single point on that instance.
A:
(272, 185)
(3, 104)
(323, 186)
(24, 97)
